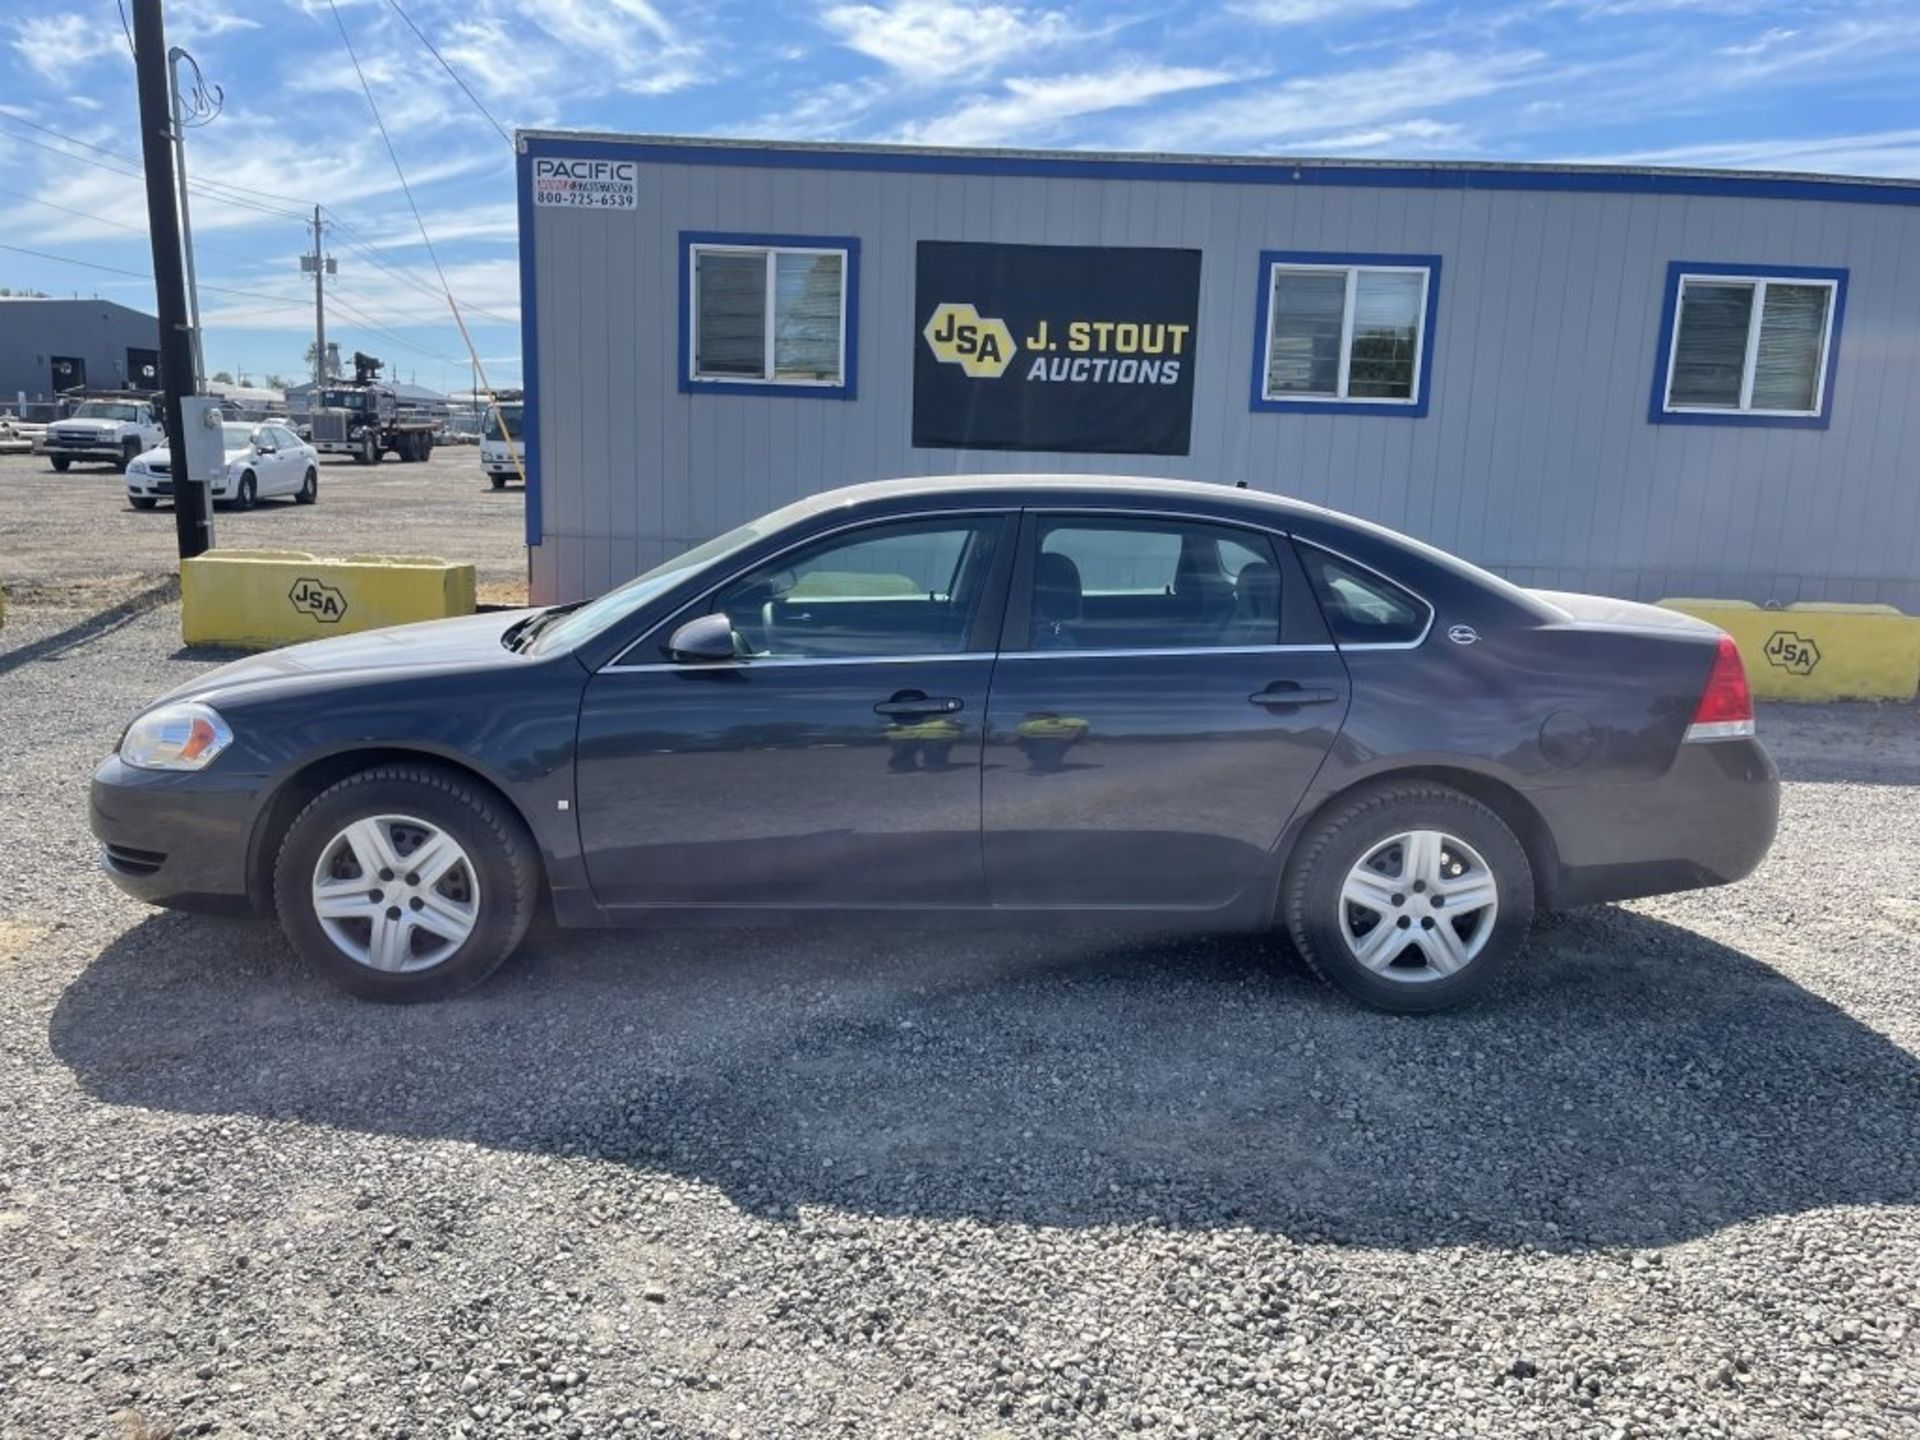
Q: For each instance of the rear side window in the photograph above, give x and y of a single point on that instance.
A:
(1363, 608)
(1116, 584)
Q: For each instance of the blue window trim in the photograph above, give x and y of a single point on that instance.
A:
(529, 355)
(1264, 300)
(1657, 411)
(847, 389)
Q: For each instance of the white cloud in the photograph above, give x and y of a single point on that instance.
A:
(1355, 99)
(1760, 44)
(1025, 109)
(1308, 12)
(934, 41)
(1399, 137)
(54, 46)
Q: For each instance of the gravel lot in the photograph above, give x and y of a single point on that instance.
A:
(443, 507)
(894, 1183)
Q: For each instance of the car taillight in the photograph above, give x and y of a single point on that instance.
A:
(1725, 711)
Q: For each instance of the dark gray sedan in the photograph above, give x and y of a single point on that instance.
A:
(1029, 697)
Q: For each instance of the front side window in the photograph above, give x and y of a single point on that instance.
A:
(1345, 331)
(1743, 345)
(1362, 607)
(770, 315)
(1118, 584)
(907, 588)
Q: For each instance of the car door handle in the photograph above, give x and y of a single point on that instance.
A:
(1286, 693)
(914, 703)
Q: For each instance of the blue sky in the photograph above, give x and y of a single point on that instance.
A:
(1818, 85)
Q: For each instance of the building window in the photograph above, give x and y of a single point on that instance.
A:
(769, 314)
(1345, 333)
(1747, 345)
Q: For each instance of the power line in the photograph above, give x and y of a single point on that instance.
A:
(83, 264)
(450, 70)
(197, 187)
(117, 224)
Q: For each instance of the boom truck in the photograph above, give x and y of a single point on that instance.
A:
(365, 419)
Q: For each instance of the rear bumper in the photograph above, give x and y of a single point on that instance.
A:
(171, 839)
(1709, 820)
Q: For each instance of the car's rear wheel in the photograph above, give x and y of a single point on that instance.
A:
(309, 490)
(1410, 897)
(142, 502)
(405, 883)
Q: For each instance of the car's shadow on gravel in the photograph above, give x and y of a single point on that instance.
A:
(1639, 1085)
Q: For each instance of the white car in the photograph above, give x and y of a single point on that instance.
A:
(262, 461)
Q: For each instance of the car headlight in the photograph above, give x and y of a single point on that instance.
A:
(183, 736)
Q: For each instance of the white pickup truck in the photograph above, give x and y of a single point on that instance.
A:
(113, 431)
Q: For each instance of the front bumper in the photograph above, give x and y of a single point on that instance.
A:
(172, 838)
(1709, 820)
(103, 451)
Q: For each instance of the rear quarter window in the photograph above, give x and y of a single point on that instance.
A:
(1361, 607)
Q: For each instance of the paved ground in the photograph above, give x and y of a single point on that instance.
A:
(794, 1184)
(443, 507)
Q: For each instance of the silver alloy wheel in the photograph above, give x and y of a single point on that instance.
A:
(1418, 907)
(395, 893)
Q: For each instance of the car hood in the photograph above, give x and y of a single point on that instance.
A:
(466, 642)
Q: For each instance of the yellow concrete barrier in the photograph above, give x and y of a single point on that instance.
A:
(257, 599)
(1819, 651)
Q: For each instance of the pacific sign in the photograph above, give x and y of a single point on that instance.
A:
(582, 184)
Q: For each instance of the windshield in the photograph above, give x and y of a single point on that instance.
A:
(507, 415)
(590, 619)
(344, 399)
(104, 410)
(236, 437)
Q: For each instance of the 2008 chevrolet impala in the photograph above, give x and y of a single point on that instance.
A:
(1180, 703)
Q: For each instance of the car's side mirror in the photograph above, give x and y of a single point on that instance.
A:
(705, 638)
(267, 447)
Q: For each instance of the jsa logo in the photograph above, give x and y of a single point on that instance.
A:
(960, 335)
(317, 598)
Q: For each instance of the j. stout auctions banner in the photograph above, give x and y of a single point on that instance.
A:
(1055, 347)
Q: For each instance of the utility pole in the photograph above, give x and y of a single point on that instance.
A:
(192, 513)
(322, 265)
(197, 109)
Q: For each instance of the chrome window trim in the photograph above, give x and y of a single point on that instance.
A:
(1168, 652)
(1432, 612)
(788, 662)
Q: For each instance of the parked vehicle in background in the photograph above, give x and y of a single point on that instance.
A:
(262, 461)
(110, 428)
(500, 454)
(365, 419)
(1075, 697)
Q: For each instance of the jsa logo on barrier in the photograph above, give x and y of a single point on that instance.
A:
(322, 601)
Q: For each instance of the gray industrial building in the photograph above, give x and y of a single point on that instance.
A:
(1632, 381)
(49, 345)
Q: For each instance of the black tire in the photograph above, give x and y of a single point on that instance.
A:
(1318, 920)
(309, 490)
(499, 481)
(369, 451)
(502, 856)
(248, 495)
(60, 462)
(142, 502)
(129, 452)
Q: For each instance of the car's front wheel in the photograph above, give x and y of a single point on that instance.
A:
(405, 882)
(142, 502)
(309, 490)
(60, 462)
(1410, 897)
(129, 452)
